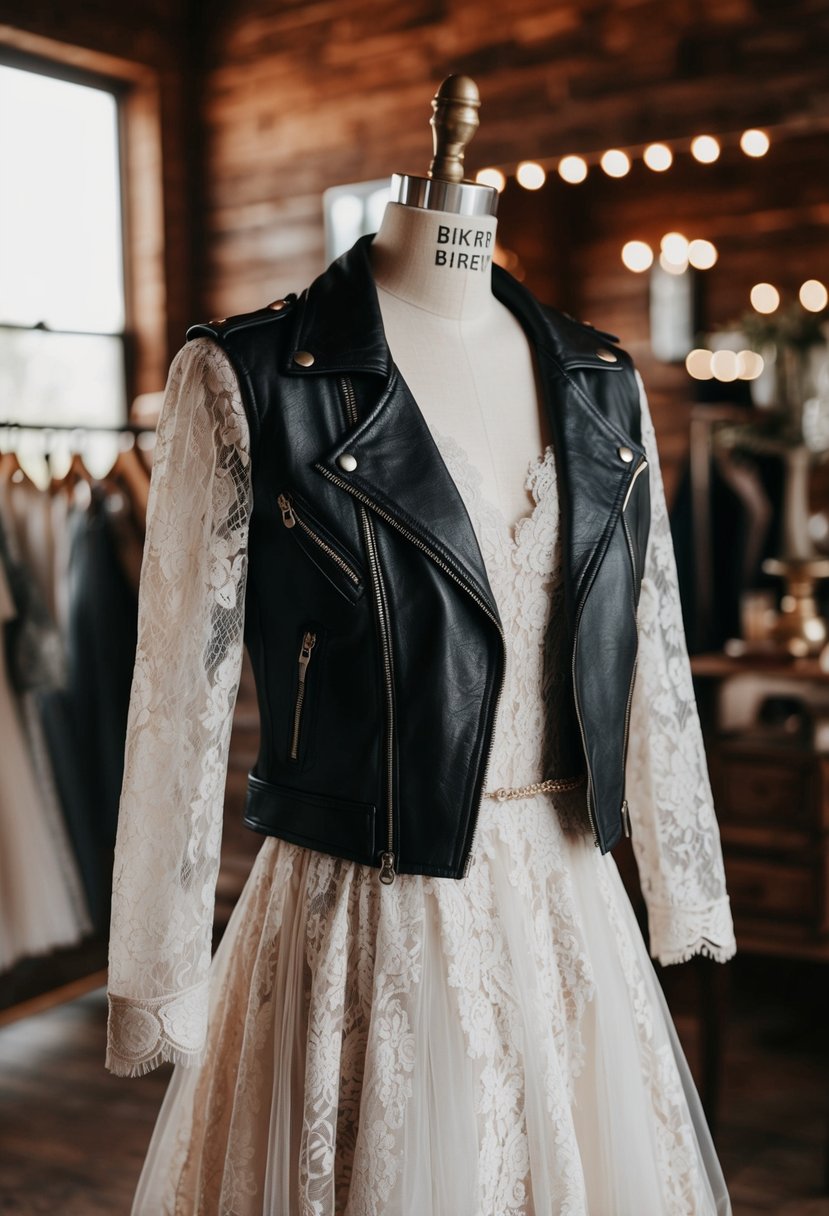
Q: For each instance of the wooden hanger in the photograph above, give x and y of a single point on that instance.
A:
(12, 470)
(132, 476)
(76, 472)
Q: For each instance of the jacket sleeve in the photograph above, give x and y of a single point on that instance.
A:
(184, 687)
(673, 824)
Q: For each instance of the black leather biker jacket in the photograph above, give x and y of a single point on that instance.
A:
(375, 639)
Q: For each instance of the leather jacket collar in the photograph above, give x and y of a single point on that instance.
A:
(338, 320)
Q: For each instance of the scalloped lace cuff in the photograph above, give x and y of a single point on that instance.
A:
(677, 934)
(141, 1034)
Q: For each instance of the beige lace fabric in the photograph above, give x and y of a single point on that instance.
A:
(186, 677)
(497, 1045)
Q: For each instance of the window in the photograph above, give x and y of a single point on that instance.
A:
(61, 253)
(351, 212)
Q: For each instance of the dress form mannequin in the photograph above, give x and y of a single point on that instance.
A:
(462, 353)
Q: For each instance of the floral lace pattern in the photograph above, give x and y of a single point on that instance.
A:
(186, 676)
(674, 829)
(429, 1046)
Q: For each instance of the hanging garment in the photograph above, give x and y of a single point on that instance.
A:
(493, 1045)
(41, 902)
(102, 624)
(35, 669)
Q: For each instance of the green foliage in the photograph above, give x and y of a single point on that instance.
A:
(792, 326)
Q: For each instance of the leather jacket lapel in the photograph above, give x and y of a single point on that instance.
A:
(399, 467)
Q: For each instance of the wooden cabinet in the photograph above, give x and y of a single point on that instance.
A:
(771, 794)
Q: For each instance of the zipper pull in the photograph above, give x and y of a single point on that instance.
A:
(387, 872)
(288, 517)
(308, 644)
(626, 817)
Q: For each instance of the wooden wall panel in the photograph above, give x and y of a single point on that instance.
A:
(298, 97)
(769, 219)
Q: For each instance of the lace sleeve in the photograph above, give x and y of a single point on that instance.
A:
(184, 686)
(674, 828)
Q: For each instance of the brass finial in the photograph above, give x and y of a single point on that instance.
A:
(454, 121)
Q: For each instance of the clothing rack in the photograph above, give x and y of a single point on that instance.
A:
(96, 428)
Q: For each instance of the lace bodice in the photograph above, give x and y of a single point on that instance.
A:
(190, 643)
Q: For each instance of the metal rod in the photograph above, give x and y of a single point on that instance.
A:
(124, 428)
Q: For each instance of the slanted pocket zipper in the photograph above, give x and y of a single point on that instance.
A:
(309, 641)
(291, 516)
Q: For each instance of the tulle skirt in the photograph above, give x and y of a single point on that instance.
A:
(497, 1046)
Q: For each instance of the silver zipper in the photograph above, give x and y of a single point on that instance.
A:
(290, 518)
(641, 465)
(387, 857)
(308, 642)
(590, 811)
(625, 808)
(470, 855)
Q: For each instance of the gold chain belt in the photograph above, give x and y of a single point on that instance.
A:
(537, 787)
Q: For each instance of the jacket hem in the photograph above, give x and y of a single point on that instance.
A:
(320, 846)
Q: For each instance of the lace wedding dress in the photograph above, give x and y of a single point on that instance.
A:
(493, 1047)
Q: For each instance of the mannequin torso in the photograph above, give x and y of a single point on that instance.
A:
(462, 353)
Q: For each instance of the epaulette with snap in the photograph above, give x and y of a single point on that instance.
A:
(219, 327)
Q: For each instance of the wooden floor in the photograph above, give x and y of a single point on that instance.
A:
(72, 1137)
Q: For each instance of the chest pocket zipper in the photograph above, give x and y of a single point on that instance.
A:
(309, 641)
(344, 575)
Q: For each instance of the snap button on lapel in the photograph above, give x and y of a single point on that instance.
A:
(347, 461)
(303, 357)
(277, 305)
(607, 355)
(626, 454)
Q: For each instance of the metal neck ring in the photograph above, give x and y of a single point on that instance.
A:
(432, 194)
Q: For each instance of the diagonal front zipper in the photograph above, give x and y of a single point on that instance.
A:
(625, 809)
(387, 857)
(590, 808)
(309, 641)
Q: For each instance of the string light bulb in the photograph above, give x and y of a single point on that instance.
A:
(491, 177)
(530, 175)
(764, 297)
(658, 157)
(754, 142)
(813, 295)
(637, 256)
(698, 364)
(724, 365)
(615, 162)
(675, 247)
(705, 149)
(572, 169)
(702, 254)
(749, 364)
